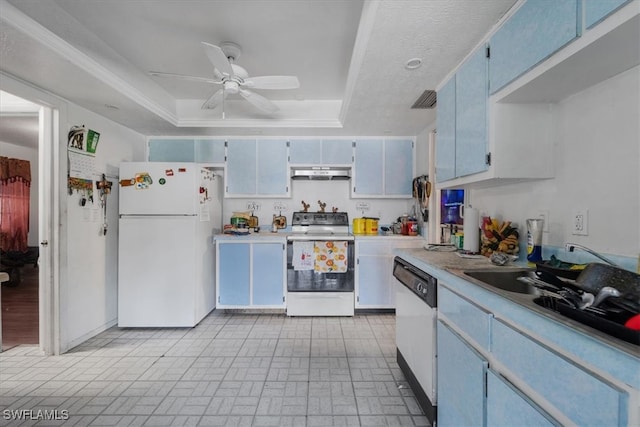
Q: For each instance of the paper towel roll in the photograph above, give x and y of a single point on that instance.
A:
(471, 230)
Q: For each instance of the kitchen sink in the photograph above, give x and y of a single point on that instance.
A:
(507, 280)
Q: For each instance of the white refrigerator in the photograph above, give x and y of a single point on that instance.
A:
(169, 213)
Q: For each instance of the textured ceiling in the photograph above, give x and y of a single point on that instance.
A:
(349, 56)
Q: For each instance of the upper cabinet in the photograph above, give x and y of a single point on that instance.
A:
(209, 151)
(383, 168)
(536, 31)
(321, 151)
(596, 11)
(256, 168)
(462, 120)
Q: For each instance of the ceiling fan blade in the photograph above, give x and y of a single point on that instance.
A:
(214, 100)
(273, 82)
(218, 58)
(184, 77)
(259, 101)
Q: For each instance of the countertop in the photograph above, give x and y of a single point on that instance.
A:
(448, 265)
(282, 235)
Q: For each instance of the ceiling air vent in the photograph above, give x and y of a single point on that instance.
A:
(426, 100)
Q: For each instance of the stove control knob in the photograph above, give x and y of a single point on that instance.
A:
(420, 288)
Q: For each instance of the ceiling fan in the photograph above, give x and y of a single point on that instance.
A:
(234, 79)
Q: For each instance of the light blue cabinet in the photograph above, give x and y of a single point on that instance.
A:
(305, 151)
(446, 132)
(256, 168)
(596, 10)
(171, 150)
(472, 92)
(369, 172)
(240, 173)
(507, 406)
(321, 151)
(233, 274)
(250, 274)
(210, 151)
(337, 151)
(461, 381)
(272, 167)
(461, 139)
(187, 150)
(535, 31)
(584, 398)
(383, 168)
(398, 167)
(268, 274)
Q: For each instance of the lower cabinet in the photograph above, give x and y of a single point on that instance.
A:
(497, 373)
(508, 406)
(250, 274)
(461, 381)
(374, 270)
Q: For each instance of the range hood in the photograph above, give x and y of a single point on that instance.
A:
(325, 173)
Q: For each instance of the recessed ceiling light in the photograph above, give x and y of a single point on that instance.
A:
(413, 63)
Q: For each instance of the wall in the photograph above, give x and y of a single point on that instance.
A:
(333, 193)
(89, 290)
(597, 152)
(31, 154)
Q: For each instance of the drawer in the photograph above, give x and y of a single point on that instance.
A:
(380, 248)
(468, 317)
(581, 395)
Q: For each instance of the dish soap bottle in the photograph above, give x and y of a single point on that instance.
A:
(534, 240)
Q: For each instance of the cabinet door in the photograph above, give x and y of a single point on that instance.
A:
(268, 273)
(368, 167)
(171, 150)
(506, 406)
(272, 167)
(209, 150)
(305, 151)
(374, 285)
(461, 381)
(596, 10)
(233, 274)
(537, 30)
(472, 91)
(398, 167)
(446, 132)
(241, 166)
(337, 151)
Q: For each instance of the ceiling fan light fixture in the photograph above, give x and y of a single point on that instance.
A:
(231, 87)
(413, 63)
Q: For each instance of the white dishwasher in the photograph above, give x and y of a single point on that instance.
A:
(416, 303)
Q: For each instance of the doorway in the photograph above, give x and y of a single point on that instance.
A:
(27, 132)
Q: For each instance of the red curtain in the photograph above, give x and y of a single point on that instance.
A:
(15, 183)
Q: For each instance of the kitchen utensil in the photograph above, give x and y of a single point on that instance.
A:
(633, 323)
(605, 293)
(596, 276)
(559, 268)
(279, 221)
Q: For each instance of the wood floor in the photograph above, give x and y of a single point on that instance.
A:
(20, 310)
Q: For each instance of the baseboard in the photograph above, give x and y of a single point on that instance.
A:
(77, 341)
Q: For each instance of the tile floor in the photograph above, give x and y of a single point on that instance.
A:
(230, 370)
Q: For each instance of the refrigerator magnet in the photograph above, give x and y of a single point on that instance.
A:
(168, 172)
(162, 181)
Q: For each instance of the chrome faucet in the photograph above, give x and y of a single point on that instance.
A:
(572, 246)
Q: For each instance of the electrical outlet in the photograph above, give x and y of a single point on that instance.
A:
(580, 222)
(544, 215)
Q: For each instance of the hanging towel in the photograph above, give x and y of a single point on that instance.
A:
(331, 257)
(302, 256)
